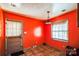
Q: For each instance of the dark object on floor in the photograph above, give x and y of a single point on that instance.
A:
(77, 52)
(44, 43)
(70, 51)
(17, 53)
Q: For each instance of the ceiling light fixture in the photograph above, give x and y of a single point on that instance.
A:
(63, 10)
(48, 20)
(15, 4)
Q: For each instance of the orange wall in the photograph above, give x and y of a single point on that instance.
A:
(29, 24)
(2, 42)
(73, 31)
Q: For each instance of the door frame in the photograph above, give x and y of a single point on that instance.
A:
(6, 36)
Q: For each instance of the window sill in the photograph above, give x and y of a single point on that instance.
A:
(60, 40)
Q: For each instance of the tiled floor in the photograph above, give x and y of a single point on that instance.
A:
(43, 51)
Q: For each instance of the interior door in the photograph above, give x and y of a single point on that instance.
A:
(13, 36)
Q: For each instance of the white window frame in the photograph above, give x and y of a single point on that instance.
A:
(13, 34)
(66, 40)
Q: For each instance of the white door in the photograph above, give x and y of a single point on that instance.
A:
(13, 36)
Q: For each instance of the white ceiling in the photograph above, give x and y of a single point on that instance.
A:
(39, 10)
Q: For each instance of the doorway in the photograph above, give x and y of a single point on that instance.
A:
(13, 36)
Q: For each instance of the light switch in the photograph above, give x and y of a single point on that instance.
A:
(25, 32)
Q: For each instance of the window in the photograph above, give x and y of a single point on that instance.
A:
(13, 28)
(60, 30)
